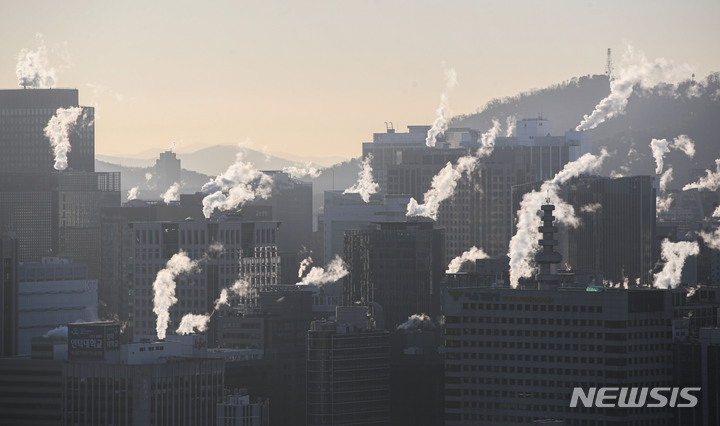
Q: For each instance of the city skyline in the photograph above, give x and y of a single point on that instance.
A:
(317, 79)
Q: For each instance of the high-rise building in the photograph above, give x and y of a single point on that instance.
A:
(348, 371)
(225, 251)
(167, 170)
(24, 114)
(52, 293)
(515, 356)
(8, 296)
(617, 227)
(397, 265)
(480, 211)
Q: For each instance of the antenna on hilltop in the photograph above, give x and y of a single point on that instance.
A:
(609, 65)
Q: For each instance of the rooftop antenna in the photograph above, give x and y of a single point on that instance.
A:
(609, 65)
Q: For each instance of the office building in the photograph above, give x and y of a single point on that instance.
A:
(52, 293)
(617, 227)
(348, 371)
(167, 170)
(225, 251)
(397, 265)
(24, 114)
(237, 410)
(8, 296)
(480, 212)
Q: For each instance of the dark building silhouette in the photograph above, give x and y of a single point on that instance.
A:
(617, 230)
(348, 371)
(23, 145)
(397, 265)
(167, 170)
(290, 204)
(8, 296)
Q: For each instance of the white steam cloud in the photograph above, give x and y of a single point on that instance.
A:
(716, 213)
(172, 194)
(61, 331)
(148, 176)
(591, 208)
(331, 273)
(417, 322)
(711, 182)
(299, 172)
(712, 239)
(471, 255)
(641, 72)
(510, 122)
(674, 255)
(662, 204)
(190, 322)
(303, 266)
(240, 183)
(665, 179)
(660, 147)
(440, 124)
(164, 289)
(58, 132)
(525, 241)
(444, 183)
(365, 186)
(32, 67)
(133, 193)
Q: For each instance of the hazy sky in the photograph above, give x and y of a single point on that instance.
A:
(317, 78)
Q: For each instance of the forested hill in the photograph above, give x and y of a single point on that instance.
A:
(665, 112)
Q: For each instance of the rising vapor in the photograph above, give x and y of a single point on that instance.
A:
(471, 255)
(172, 194)
(240, 183)
(133, 193)
(331, 273)
(510, 122)
(525, 241)
(716, 213)
(190, 322)
(417, 322)
(440, 124)
(32, 68)
(591, 208)
(444, 183)
(299, 172)
(665, 179)
(365, 186)
(674, 255)
(641, 72)
(660, 147)
(58, 132)
(164, 289)
(303, 265)
(712, 239)
(711, 182)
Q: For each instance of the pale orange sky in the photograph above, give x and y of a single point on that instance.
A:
(319, 77)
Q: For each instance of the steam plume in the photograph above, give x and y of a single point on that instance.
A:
(711, 182)
(190, 322)
(298, 172)
(303, 265)
(172, 194)
(716, 213)
(511, 122)
(660, 147)
(662, 204)
(665, 179)
(473, 254)
(646, 74)
(133, 193)
(674, 255)
(61, 331)
(417, 322)
(525, 241)
(440, 125)
(712, 239)
(164, 289)
(58, 131)
(591, 208)
(332, 272)
(241, 182)
(32, 68)
(444, 183)
(364, 185)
